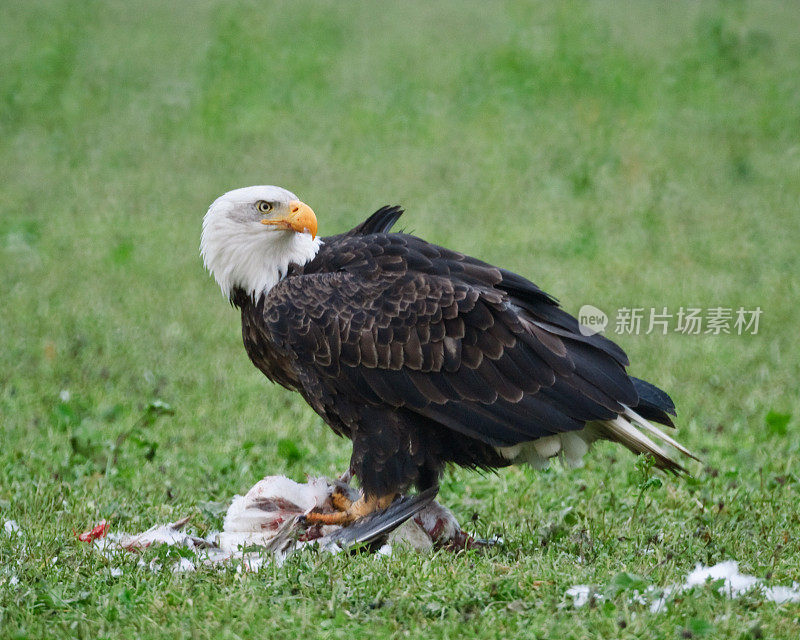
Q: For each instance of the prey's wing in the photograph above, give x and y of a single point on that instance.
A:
(380, 523)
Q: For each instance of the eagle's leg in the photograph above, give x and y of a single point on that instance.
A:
(358, 509)
(339, 497)
(340, 500)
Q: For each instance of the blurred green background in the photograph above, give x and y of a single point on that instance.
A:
(617, 154)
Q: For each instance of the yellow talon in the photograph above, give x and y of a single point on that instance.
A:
(355, 511)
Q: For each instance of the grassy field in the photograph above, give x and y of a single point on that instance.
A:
(622, 155)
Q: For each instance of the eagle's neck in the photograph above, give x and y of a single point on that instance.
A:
(252, 258)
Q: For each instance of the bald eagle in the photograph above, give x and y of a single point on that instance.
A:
(420, 355)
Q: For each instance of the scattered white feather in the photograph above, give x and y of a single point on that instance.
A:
(183, 566)
(11, 526)
(166, 534)
(581, 594)
(734, 584)
(737, 584)
(254, 561)
(780, 595)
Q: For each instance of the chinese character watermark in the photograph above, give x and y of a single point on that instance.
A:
(690, 321)
(686, 320)
(629, 320)
(747, 320)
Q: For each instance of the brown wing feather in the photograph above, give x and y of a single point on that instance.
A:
(390, 320)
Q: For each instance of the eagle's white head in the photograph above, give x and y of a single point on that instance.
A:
(252, 235)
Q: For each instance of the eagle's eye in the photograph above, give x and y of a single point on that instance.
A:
(263, 206)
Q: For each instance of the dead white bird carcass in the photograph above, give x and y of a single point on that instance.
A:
(268, 524)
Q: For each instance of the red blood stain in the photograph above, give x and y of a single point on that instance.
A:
(98, 531)
(274, 524)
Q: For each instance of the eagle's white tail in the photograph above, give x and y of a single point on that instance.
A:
(623, 429)
(658, 433)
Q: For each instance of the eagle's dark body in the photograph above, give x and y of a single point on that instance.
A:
(423, 356)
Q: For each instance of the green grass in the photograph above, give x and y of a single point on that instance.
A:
(627, 154)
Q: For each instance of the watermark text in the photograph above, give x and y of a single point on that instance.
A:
(686, 320)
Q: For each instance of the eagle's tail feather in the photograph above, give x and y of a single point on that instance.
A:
(658, 433)
(624, 431)
(654, 403)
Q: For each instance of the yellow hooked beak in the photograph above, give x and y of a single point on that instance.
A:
(300, 218)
